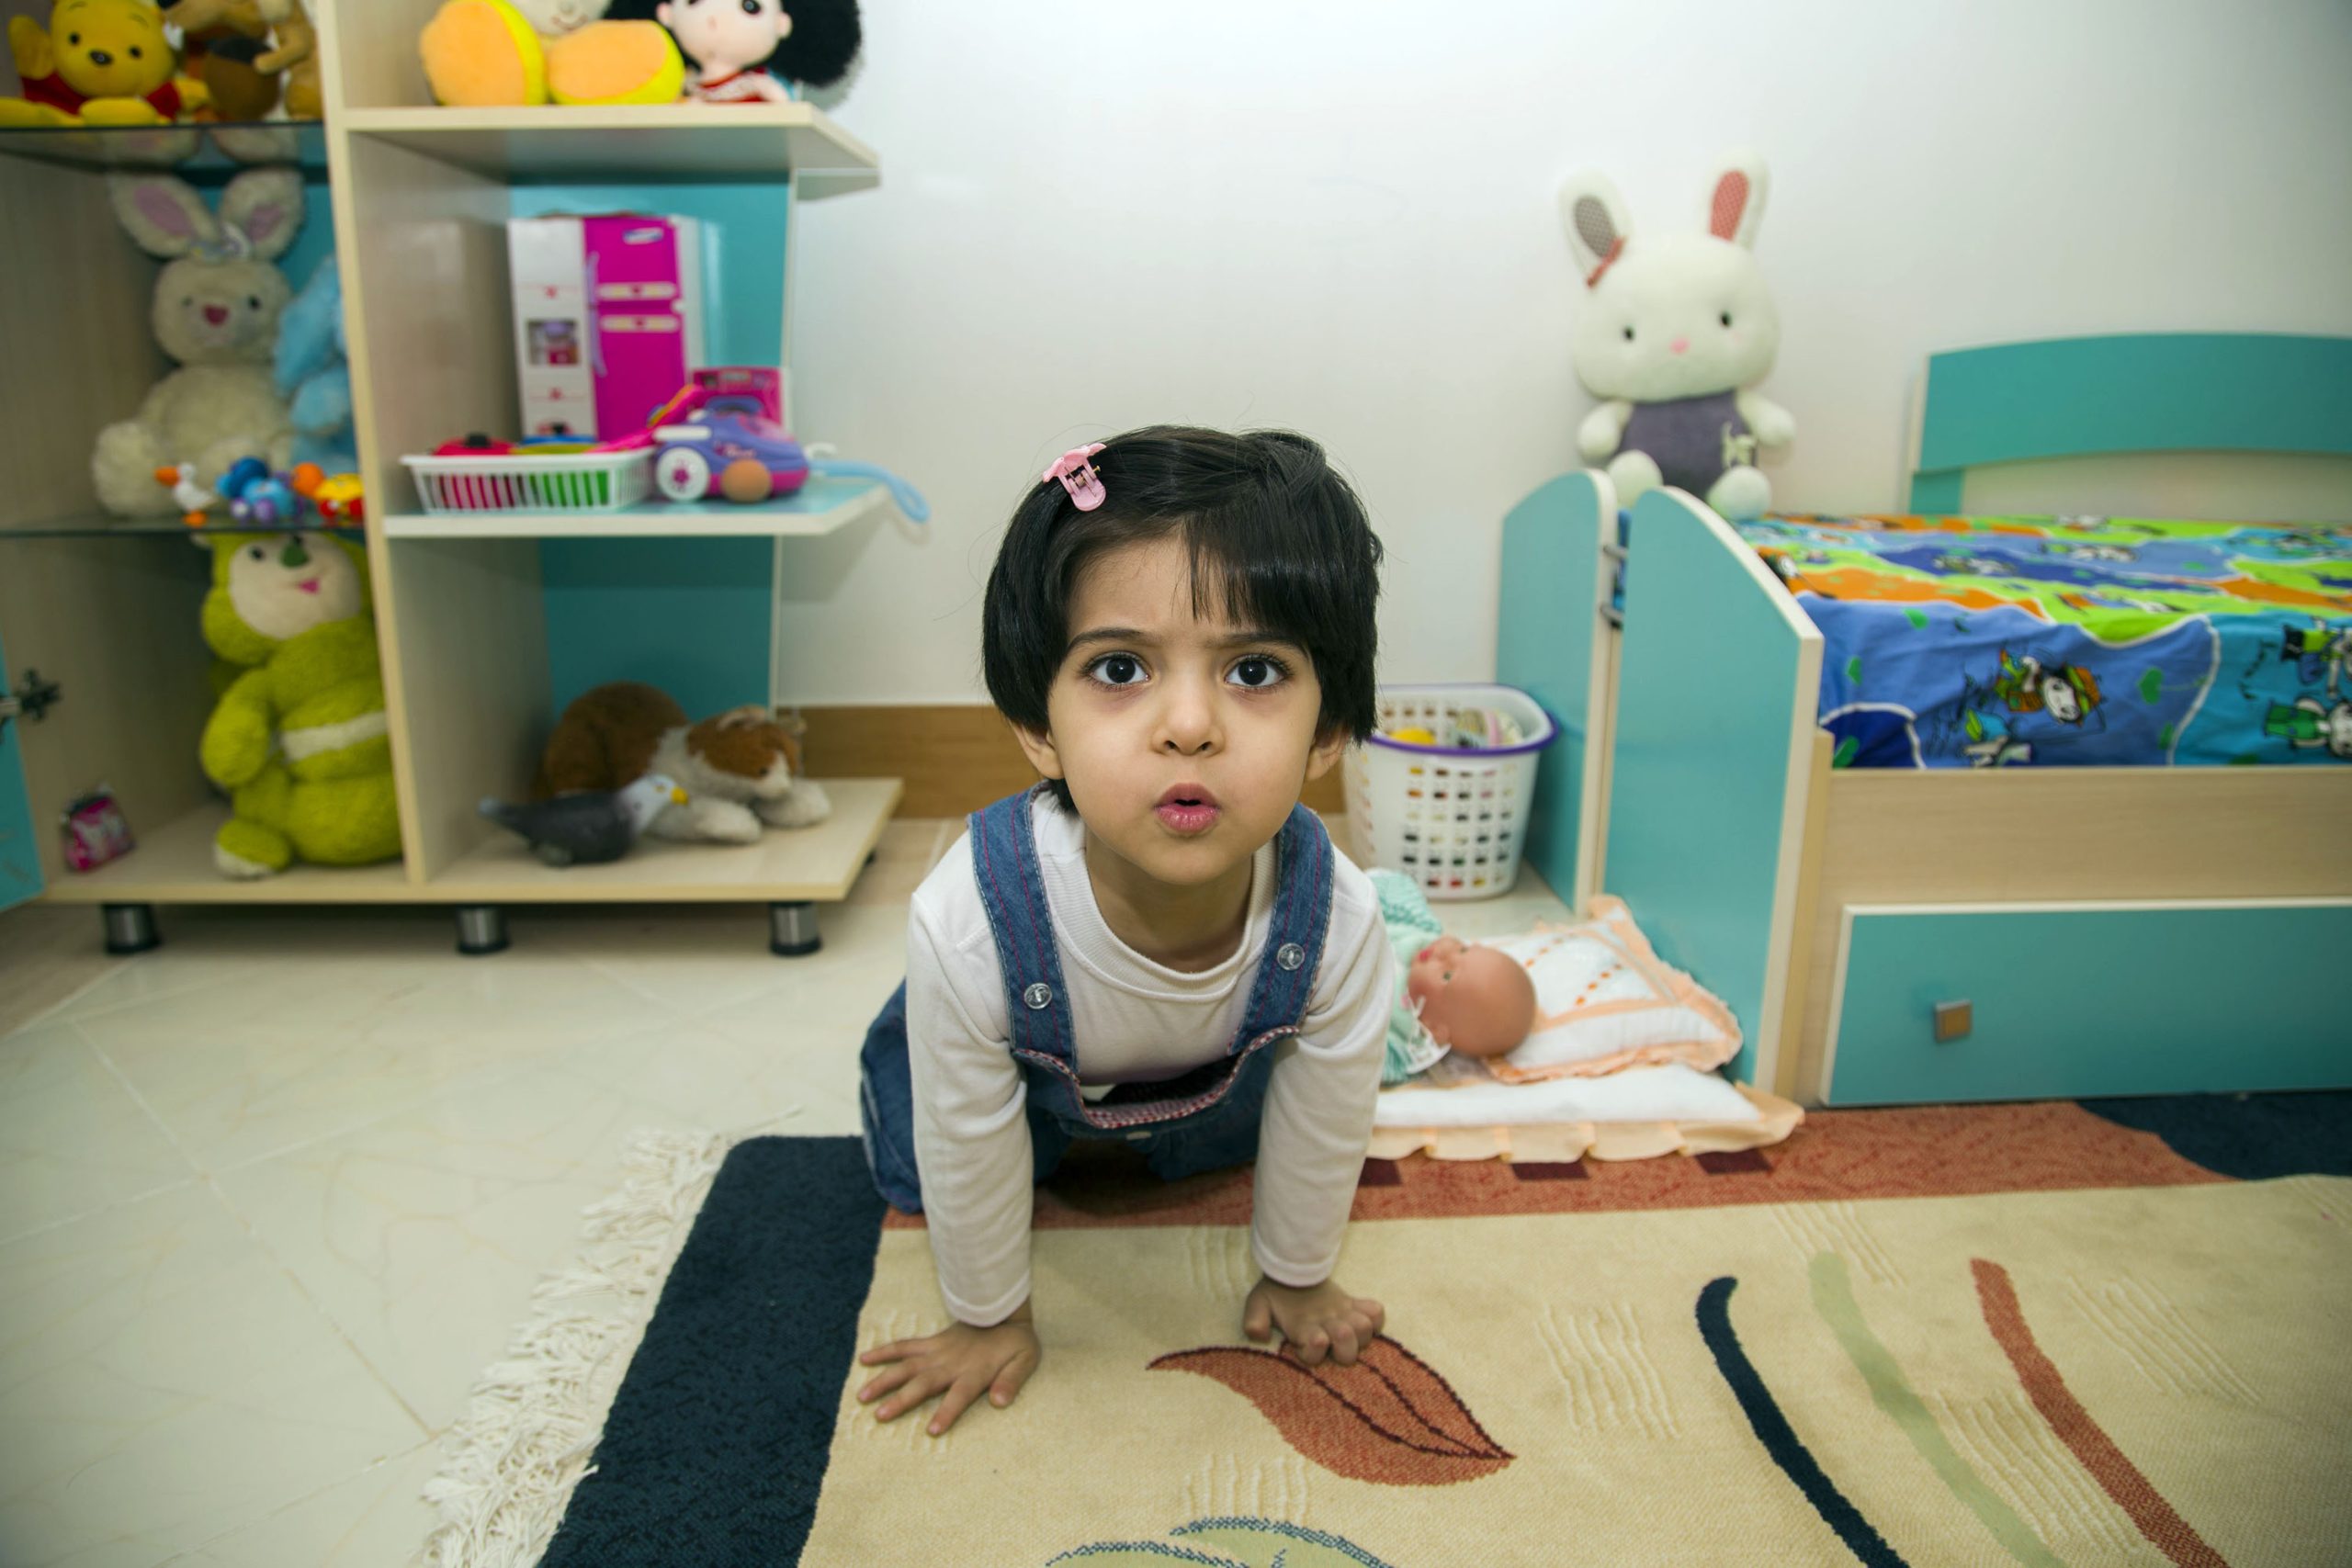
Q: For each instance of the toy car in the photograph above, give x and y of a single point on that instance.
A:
(728, 448)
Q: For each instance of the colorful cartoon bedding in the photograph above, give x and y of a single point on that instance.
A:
(2078, 641)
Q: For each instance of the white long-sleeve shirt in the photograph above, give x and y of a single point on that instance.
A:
(1133, 1020)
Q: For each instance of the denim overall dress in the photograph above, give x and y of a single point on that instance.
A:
(1204, 1120)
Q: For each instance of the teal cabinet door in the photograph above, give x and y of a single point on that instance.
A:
(19, 852)
(2068, 1002)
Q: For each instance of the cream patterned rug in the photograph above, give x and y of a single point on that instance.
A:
(1990, 1335)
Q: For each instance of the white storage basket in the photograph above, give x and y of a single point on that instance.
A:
(1453, 820)
(568, 482)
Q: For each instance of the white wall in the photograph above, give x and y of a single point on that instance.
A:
(1339, 217)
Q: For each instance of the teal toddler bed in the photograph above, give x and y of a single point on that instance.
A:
(1967, 883)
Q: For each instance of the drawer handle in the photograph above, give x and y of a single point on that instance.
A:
(1953, 1021)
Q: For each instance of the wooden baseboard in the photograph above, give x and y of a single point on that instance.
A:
(955, 757)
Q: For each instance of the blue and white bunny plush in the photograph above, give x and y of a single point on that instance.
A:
(1678, 332)
(313, 376)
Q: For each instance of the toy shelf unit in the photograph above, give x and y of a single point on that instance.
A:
(487, 622)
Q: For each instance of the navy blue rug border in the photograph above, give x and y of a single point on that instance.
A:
(734, 1391)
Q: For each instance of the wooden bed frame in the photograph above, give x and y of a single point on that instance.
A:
(1838, 908)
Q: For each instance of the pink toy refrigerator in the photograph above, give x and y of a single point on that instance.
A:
(608, 317)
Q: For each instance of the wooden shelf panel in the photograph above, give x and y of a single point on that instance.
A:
(822, 506)
(816, 864)
(173, 866)
(694, 142)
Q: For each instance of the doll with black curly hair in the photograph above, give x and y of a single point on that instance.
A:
(747, 51)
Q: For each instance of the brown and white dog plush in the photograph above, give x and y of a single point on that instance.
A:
(741, 768)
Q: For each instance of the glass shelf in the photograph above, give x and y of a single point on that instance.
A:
(96, 527)
(187, 149)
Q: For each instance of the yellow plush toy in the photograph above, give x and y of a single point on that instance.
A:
(484, 53)
(300, 739)
(98, 63)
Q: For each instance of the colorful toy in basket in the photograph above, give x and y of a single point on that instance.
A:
(98, 63)
(747, 51)
(487, 53)
(299, 739)
(1679, 331)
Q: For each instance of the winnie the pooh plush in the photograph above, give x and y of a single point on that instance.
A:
(98, 63)
(300, 739)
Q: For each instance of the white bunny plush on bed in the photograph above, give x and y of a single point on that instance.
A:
(1679, 328)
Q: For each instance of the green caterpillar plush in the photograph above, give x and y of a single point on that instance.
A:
(300, 739)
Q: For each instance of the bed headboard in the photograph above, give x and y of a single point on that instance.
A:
(2262, 392)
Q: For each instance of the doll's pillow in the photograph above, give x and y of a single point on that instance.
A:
(1603, 1001)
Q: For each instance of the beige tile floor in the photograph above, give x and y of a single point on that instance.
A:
(272, 1195)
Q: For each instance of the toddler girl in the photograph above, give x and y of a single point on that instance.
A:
(1157, 943)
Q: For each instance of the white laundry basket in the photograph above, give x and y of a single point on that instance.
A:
(1453, 820)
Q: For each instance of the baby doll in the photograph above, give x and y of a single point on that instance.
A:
(745, 50)
(1450, 995)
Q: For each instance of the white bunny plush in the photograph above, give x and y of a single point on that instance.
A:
(215, 310)
(1679, 331)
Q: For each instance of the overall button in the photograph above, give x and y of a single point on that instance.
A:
(1290, 955)
(1041, 995)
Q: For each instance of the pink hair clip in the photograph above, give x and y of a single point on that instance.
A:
(1079, 478)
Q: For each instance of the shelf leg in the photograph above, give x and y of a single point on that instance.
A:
(482, 929)
(131, 928)
(791, 930)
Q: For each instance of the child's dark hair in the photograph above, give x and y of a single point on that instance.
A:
(1279, 542)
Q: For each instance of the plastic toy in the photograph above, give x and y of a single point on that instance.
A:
(727, 448)
(259, 496)
(588, 827)
(196, 501)
(1679, 330)
(752, 50)
(215, 310)
(109, 63)
(1476, 1000)
(484, 53)
(337, 498)
(300, 739)
(95, 831)
(722, 435)
(313, 375)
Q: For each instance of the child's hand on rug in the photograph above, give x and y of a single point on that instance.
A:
(959, 1361)
(1316, 1320)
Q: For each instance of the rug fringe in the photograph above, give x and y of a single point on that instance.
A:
(509, 1465)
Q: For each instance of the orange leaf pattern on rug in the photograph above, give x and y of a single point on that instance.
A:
(1388, 1419)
